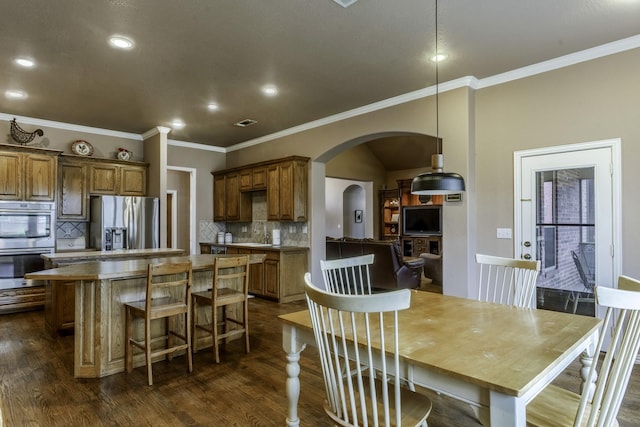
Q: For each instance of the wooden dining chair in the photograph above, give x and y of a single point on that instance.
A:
(598, 406)
(348, 276)
(358, 397)
(507, 281)
(229, 291)
(167, 297)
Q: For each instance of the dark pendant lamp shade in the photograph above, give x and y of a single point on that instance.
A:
(437, 182)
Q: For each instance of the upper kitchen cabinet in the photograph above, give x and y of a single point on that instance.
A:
(121, 179)
(72, 191)
(287, 184)
(229, 204)
(27, 173)
(285, 181)
(80, 177)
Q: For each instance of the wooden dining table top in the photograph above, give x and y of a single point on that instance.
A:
(496, 347)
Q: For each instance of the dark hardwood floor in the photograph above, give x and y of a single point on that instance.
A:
(37, 387)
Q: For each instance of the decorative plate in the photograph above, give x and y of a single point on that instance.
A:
(124, 154)
(82, 148)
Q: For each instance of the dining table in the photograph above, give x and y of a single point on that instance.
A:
(495, 357)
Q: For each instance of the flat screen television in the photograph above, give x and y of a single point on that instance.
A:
(422, 220)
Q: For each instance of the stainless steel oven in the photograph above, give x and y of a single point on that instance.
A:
(27, 225)
(27, 230)
(14, 264)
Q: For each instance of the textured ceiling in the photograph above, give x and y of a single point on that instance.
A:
(324, 58)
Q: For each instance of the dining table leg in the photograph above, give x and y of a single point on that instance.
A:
(293, 348)
(507, 411)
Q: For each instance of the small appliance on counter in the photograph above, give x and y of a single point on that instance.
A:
(124, 222)
(275, 237)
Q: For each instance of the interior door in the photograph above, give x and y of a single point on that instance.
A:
(565, 207)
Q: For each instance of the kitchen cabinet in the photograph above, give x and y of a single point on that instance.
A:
(79, 177)
(281, 276)
(117, 179)
(229, 204)
(285, 181)
(28, 173)
(252, 179)
(72, 191)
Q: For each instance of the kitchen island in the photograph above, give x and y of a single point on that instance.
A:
(101, 288)
(59, 295)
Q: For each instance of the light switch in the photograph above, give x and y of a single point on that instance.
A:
(503, 233)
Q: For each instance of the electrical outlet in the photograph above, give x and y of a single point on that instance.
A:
(503, 233)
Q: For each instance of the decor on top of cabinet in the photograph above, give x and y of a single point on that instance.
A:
(21, 136)
(82, 148)
(124, 154)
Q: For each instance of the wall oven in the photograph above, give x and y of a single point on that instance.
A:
(27, 230)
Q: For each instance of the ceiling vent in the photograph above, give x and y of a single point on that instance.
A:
(246, 122)
(345, 3)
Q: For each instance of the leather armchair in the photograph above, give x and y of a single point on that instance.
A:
(389, 269)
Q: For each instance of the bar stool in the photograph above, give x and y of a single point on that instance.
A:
(168, 295)
(230, 287)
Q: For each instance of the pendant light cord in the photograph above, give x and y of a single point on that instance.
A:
(437, 84)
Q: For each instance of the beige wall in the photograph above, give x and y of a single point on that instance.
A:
(591, 101)
(179, 181)
(204, 162)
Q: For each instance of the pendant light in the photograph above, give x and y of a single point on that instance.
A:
(437, 181)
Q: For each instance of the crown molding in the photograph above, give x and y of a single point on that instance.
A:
(618, 46)
(70, 126)
(196, 146)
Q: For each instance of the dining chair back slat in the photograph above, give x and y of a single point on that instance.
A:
(507, 281)
(348, 276)
(349, 331)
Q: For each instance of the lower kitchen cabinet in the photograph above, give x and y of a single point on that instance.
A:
(281, 276)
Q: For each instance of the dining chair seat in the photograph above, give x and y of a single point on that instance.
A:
(598, 405)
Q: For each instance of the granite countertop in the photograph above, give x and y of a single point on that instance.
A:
(119, 253)
(100, 270)
(261, 246)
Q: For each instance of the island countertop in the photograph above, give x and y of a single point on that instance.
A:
(101, 270)
(105, 255)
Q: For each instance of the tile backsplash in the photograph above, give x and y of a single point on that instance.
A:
(291, 233)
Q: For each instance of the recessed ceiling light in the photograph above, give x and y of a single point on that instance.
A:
(345, 3)
(246, 122)
(177, 124)
(15, 94)
(212, 106)
(121, 42)
(25, 62)
(439, 57)
(270, 90)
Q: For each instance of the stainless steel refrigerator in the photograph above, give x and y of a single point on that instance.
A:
(124, 222)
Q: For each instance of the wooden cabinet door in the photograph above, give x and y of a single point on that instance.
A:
(219, 210)
(40, 177)
(246, 180)
(273, 193)
(72, 191)
(259, 178)
(103, 179)
(286, 191)
(133, 181)
(11, 176)
(256, 277)
(272, 274)
(232, 197)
